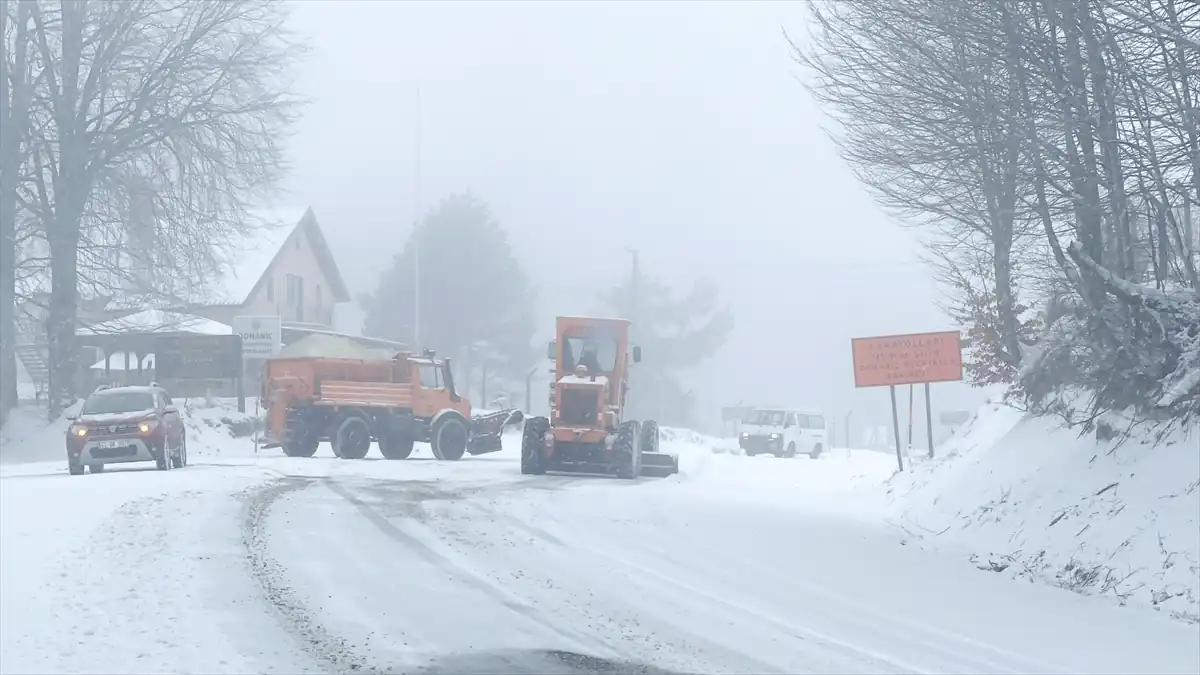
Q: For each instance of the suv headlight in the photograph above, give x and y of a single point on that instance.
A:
(78, 430)
(147, 426)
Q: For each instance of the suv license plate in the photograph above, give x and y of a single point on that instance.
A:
(108, 445)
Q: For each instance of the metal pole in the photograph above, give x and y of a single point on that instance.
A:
(633, 306)
(417, 232)
(633, 287)
(896, 428)
(847, 440)
(529, 391)
(910, 416)
(929, 420)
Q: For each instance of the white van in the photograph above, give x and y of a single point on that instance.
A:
(783, 433)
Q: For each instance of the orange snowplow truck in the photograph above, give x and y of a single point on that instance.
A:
(351, 402)
(587, 431)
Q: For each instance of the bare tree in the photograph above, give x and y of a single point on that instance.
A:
(923, 103)
(182, 103)
(1002, 128)
(16, 95)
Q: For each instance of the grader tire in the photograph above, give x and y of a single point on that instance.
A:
(532, 441)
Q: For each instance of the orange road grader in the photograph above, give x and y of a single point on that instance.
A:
(587, 431)
(396, 402)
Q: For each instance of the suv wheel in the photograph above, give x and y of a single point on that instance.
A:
(177, 456)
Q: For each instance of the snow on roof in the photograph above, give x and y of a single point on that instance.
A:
(158, 321)
(334, 346)
(249, 260)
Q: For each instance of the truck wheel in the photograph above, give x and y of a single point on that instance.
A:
(449, 438)
(629, 455)
(75, 467)
(532, 441)
(396, 446)
(353, 438)
(816, 451)
(300, 448)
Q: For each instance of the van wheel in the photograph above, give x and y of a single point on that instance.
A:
(816, 451)
(791, 451)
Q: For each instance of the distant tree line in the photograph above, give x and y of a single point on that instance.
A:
(476, 303)
(1048, 154)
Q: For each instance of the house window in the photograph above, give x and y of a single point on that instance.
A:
(297, 242)
(270, 289)
(319, 301)
(295, 295)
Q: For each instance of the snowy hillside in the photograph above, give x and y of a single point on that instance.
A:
(1028, 498)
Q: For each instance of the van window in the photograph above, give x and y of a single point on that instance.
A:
(816, 422)
(791, 420)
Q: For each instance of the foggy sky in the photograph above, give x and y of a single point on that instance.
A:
(676, 128)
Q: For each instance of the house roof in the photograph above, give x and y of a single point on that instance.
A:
(250, 262)
(157, 321)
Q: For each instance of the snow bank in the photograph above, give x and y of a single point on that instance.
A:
(1026, 497)
(27, 436)
(214, 428)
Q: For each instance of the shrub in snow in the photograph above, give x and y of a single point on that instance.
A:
(1118, 346)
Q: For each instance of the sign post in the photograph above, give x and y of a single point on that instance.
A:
(262, 338)
(917, 358)
(928, 420)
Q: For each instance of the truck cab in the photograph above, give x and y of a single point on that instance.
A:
(783, 432)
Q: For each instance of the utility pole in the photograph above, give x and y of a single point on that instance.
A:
(633, 287)
(633, 304)
(417, 231)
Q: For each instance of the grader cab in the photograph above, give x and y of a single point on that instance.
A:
(587, 430)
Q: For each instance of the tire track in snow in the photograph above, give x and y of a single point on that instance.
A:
(931, 638)
(849, 649)
(471, 578)
(333, 652)
(700, 642)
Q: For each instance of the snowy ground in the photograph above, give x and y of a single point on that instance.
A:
(245, 563)
(1026, 498)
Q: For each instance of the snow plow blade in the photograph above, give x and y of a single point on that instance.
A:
(486, 430)
(659, 464)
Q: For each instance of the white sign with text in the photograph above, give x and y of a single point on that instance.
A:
(262, 336)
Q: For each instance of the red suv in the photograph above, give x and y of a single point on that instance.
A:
(126, 424)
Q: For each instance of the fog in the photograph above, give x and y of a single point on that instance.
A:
(680, 129)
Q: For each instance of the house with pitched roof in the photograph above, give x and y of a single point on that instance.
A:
(286, 271)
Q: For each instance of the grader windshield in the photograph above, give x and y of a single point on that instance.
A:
(592, 346)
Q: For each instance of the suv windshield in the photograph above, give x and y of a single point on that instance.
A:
(118, 402)
(766, 417)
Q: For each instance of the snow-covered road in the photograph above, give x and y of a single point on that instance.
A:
(738, 565)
